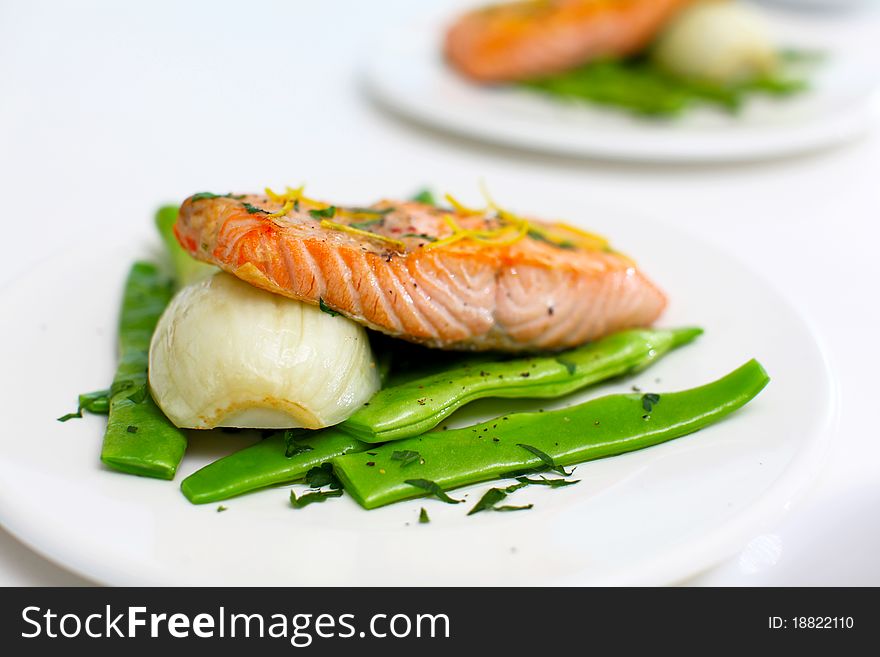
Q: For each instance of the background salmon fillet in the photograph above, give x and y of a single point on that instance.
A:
(522, 40)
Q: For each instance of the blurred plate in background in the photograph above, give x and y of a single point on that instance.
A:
(407, 74)
(823, 5)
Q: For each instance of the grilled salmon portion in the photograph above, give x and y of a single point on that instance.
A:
(533, 38)
(447, 278)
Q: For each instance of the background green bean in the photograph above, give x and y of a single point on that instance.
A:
(640, 86)
(602, 427)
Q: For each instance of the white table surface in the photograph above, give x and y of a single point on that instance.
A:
(108, 108)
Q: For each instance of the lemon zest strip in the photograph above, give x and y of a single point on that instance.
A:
(288, 206)
(499, 237)
(456, 237)
(597, 240)
(294, 195)
(326, 223)
(461, 208)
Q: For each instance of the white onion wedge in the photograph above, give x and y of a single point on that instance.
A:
(228, 354)
(718, 41)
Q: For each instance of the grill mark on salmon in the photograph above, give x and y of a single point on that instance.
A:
(496, 287)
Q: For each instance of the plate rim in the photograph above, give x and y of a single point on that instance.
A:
(816, 134)
(674, 566)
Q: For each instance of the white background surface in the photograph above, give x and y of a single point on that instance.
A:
(108, 109)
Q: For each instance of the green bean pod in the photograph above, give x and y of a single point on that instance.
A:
(414, 407)
(139, 438)
(187, 270)
(602, 427)
(265, 464)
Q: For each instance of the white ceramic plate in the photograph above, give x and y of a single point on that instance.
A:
(648, 517)
(407, 74)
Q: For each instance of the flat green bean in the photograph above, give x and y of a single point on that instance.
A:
(599, 428)
(264, 464)
(418, 405)
(139, 438)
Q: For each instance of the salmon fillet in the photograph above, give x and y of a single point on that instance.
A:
(523, 40)
(445, 278)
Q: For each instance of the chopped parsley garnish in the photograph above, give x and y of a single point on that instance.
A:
(309, 498)
(221, 509)
(204, 195)
(363, 225)
(546, 459)
(541, 237)
(421, 236)
(649, 400)
(121, 386)
(97, 402)
(406, 457)
(326, 213)
(376, 211)
(514, 487)
(253, 209)
(433, 489)
(543, 481)
(327, 309)
(139, 395)
(492, 497)
(567, 364)
(425, 196)
(321, 476)
(423, 517)
(208, 195)
(291, 447)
